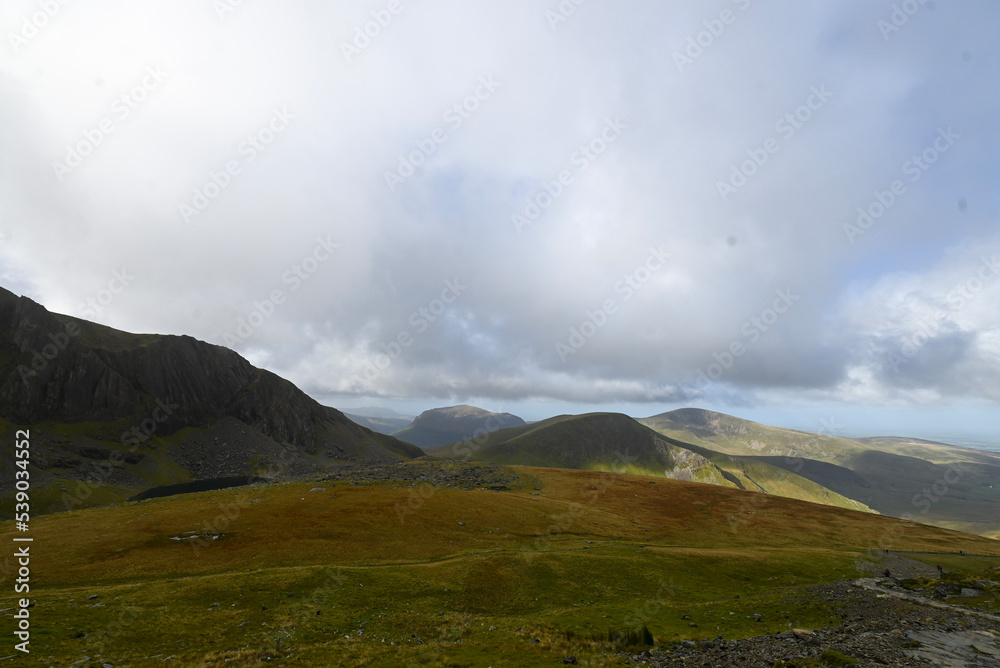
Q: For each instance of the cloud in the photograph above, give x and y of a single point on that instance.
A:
(539, 162)
(932, 334)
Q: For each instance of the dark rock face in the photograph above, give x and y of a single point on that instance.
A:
(59, 370)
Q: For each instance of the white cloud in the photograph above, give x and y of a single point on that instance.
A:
(655, 185)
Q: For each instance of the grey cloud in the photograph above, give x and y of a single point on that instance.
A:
(539, 138)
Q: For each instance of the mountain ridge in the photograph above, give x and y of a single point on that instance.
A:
(894, 475)
(87, 388)
(615, 442)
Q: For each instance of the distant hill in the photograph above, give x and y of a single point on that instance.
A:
(381, 412)
(380, 424)
(132, 411)
(441, 426)
(936, 483)
(616, 442)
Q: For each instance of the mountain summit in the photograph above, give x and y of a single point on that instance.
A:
(441, 426)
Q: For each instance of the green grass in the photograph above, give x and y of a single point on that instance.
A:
(616, 442)
(895, 476)
(966, 572)
(439, 603)
(587, 554)
(968, 565)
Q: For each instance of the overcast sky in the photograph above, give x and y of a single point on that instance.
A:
(786, 211)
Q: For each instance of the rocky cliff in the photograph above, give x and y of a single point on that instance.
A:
(103, 388)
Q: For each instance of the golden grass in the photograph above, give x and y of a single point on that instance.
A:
(583, 554)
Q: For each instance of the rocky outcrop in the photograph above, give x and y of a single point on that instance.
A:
(60, 369)
(879, 627)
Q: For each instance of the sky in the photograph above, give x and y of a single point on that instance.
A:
(783, 211)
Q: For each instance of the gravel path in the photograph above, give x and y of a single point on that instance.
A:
(899, 566)
(883, 625)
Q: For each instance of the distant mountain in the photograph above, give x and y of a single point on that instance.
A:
(441, 426)
(131, 411)
(616, 442)
(381, 412)
(935, 483)
(380, 424)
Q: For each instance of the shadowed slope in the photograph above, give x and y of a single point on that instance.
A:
(149, 409)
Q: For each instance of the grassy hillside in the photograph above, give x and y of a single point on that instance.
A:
(779, 478)
(612, 441)
(89, 464)
(316, 574)
(936, 483)
(112, 412)
(735, 436)
(595, 441)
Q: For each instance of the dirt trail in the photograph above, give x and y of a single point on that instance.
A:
(872, 584)
(899, 566)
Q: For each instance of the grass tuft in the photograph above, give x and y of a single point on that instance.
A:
(631, 637)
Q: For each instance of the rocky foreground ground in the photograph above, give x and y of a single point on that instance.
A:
(451, 475)
(884, 624)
